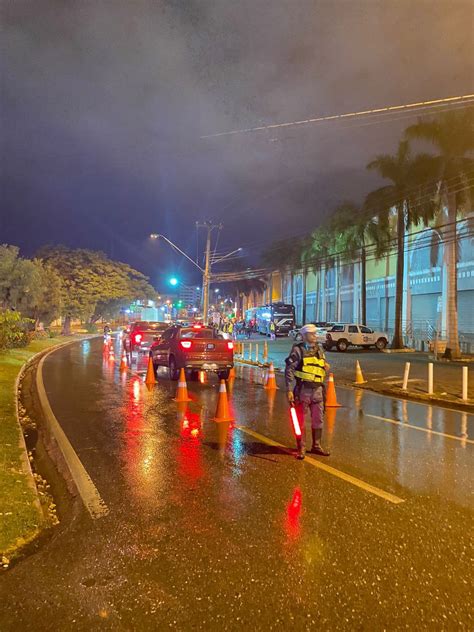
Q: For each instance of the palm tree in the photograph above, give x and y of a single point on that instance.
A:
(358, 227)
(407, 174)
(314, 254)
(452, 133)
(285, 256)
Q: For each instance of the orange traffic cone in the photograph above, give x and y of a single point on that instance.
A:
(271, 384)
(359, 377)
(222, 411)
(111, 354)
(123, 362)
(331, 399)
(182, 390)
(150, 373)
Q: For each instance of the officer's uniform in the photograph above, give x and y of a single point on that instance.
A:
(304, 375)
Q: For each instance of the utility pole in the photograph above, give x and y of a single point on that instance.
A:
(206, 277)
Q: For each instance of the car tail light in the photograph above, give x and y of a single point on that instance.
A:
(230, 346)
(197, 326)
(138, 338)
(186, 344)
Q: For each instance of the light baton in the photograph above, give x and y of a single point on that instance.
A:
(295, 421)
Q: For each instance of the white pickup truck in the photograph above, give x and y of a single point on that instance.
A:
(342, 336)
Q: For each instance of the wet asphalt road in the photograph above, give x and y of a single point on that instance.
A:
(211, 528)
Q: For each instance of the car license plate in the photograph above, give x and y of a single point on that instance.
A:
(210, 345)
(209, 367)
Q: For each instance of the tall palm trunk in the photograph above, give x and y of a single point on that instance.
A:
(397, 342)
(303, 298)
(363, 285)
(450, 245)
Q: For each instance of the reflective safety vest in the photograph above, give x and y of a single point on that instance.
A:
(312, 369)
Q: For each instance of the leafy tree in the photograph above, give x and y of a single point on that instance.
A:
(92, 285)
(28, 286)
(402, 197)
(452, 134)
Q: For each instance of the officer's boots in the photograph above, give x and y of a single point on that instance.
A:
(300, 449)
(316, 448)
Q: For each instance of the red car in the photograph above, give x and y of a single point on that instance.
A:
(196, 348)
(142, 334)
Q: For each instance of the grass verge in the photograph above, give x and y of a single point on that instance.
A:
(20, 519)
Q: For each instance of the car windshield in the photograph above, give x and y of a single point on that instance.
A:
(197, 333)
(337, 328)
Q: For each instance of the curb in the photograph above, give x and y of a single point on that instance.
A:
(82, 481)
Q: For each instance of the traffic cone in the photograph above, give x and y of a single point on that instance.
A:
(150, 373)
(359, 377)
(271, 384)
(111, 354)
(222, 410)
(123, 362)
(331, 399)
(182, 390)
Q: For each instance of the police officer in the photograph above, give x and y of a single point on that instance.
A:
(304, 376)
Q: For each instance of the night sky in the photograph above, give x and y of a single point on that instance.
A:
(103, 104)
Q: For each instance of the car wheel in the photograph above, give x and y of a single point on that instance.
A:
(173, 369)
(223, 375)
(342, 345)
(381, 344)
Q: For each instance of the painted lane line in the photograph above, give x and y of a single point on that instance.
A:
(412, 427)
(330, 470)
(85, 486)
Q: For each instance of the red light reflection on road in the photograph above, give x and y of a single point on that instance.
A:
(189, 455)
(293, 515)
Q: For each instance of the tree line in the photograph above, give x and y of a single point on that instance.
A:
(422, 188)
(68, 283)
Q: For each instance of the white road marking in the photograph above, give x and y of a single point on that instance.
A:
(330, 470)
(85, 486)
(413, 427)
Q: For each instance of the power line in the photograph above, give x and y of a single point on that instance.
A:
(422, 105)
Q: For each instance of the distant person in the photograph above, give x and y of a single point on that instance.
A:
(272, 330)
(305, 373)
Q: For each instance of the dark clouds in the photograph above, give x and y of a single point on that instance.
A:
(103, 103)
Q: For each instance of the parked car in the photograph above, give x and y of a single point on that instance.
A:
(196, 348)
(342, 336)
(142, 334)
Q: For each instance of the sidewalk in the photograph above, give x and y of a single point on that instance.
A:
(384, 371)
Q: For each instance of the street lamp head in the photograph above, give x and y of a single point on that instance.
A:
(154, 236)
(173, 281)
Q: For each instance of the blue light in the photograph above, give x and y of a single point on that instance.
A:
(173, 281)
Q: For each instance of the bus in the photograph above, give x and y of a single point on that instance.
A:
(282, 314)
